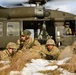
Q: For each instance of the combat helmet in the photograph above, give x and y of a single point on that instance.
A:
(12, 45)
(67, 24)
(50, 42)
(26, 32)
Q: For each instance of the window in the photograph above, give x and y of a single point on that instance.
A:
(13, 29)
(1, 28)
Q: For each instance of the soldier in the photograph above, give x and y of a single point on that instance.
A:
(10, 50)
(68, 51)
(67, 30)
(51, 51)
(27, 41)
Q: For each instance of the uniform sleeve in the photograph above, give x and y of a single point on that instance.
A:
(70, 31)
(36, 43)
(18, 44)
(55, 53)
(18, 41)
(2, 55)
(43, 51)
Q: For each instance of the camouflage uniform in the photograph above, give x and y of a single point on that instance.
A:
(5, 54)
(50, 53)
(67, 29)
(29, 41)
(68, 51)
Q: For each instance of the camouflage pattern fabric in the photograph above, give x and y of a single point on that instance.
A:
(4, 55)
(31, 42)
(54, 53)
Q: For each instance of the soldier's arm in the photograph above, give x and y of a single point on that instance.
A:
(18, 42)
(45, 54)
(70, 31)
(36, 43)
(2, 55)
(56, 54)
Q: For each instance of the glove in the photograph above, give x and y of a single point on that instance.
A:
(49, 57)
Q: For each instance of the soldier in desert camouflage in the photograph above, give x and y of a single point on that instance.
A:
(50, 51)
(10, 50)
(67, 30)
(27, 41)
